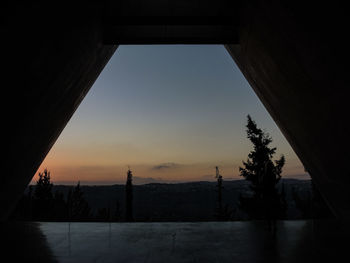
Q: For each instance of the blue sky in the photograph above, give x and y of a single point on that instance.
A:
(179, 107)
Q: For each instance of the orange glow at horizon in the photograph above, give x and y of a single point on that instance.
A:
(171, 113)
(63, 173)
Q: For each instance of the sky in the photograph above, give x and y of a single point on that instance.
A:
(169, 112)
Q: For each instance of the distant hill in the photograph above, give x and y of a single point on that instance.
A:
(194, 201)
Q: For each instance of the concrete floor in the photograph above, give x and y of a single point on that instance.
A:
(294, 241)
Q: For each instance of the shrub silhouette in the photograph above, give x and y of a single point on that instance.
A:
(78, 207)
(43, 197)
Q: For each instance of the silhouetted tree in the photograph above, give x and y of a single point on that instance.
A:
(43, 198)
(219, 210)
(129, 197)
(78, 207)
(223, 212)
(263, 174)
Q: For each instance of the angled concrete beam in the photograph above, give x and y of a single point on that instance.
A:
(50, 61)
(300, 77)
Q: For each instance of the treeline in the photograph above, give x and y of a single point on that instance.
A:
(196, 201)
(264, 201)
(39, 203)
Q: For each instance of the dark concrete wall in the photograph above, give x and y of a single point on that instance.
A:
(51, 55)
(295, 56)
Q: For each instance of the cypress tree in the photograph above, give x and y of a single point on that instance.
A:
(129, 197)
(263, 173)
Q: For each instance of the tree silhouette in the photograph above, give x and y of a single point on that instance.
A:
(78, 207)
(43, 197)
(223, 212)
(263, 174)
(219, 210)
(129, 197)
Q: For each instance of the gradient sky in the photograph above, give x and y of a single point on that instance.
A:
(170, 112)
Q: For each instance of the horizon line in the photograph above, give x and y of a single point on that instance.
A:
(154, 181)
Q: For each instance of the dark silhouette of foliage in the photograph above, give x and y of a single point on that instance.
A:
(219, 209)
(129, 197)
(263, 173)
(78, 207)
(43, 198)
(223, 212)
(41, 203)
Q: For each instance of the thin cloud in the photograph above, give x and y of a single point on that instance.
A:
(166, 166)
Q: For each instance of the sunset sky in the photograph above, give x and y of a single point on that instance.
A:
(171, 113)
